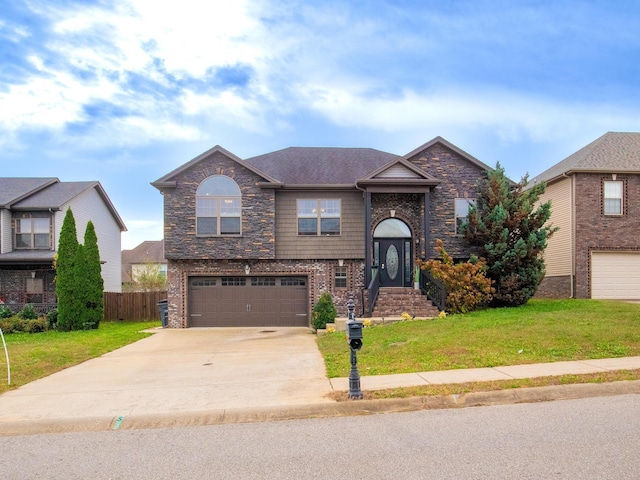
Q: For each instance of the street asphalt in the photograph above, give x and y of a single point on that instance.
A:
(201, 376)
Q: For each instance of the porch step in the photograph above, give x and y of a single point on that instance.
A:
(392, 302)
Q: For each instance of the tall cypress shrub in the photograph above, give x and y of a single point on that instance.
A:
(94, 284)
(65, 277)
(80, 290)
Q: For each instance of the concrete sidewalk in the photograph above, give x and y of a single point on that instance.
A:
(380, 382)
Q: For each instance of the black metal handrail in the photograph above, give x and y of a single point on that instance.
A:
(374, 288)
(433, 289)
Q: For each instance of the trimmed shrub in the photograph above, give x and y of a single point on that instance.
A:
(28, 312)
(324, 312)
(5, 312)
(468, 287)
(36, 325)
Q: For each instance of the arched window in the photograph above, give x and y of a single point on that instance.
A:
(218, 207)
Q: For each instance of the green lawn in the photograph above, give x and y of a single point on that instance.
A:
(541, 331)
(36, 355)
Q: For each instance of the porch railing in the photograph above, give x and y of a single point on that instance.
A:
(433, 289)
(374, 288)
(42, 302)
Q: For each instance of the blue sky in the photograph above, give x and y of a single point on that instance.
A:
(124, 91)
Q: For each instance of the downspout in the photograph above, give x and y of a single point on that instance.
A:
(367, 244)
(573, 232)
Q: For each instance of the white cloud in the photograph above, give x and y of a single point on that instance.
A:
(510, 115)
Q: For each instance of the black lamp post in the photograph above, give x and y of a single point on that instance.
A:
(354, 337)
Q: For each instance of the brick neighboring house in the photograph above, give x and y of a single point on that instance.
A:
(136, 260)
(595, 195)
(257, 241)
(31, 214)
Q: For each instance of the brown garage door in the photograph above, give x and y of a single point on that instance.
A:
(248, 301)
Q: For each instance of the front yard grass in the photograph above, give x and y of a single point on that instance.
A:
(37, 355)
(540, 331)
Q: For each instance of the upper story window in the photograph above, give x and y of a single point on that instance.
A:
(33, 231)
(319, 217)
(613, 198)
(218, 207)
(462, 212)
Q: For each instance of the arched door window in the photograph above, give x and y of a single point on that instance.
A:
(392, 253)
(218, 207)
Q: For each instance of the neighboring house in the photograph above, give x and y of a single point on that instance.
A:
(595, 202)
(257, 241)
(138, 259)
(31, 214)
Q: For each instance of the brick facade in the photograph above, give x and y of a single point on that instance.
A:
(596, 231)
(320, 275)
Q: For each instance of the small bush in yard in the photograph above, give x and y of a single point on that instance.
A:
(324, 312)
(5, 312)
(28, 312)
(36, 325)
(467, 285)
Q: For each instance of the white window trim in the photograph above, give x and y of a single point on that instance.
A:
(605, 198)
(317, 214)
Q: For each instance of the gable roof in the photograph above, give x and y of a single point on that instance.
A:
(149, 251)
(169, 180)
(399, 171)
(327, 166)
(49, 193)
(450, 146)
(15, 189)
(613, 152)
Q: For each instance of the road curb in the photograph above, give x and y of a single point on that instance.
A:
(322, 410)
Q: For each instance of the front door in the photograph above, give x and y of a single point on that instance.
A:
(392, 268)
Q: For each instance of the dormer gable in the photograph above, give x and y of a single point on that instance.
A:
(398, 173)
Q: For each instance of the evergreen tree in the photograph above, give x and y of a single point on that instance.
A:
(80, 290)
(510, 230)
(94, 284)
(65, 278)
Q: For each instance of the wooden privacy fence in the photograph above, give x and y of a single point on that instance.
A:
(132, 306)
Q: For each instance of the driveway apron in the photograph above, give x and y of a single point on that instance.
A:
(181, 370)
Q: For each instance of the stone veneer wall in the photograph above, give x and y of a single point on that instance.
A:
(257, 240)
(458, 179)
(320, 274)
(595, 231)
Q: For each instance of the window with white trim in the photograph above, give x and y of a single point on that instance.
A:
(613, 197)
(319, 217)
(32, 231)
(462, 212)
(218, 207)
(340, 277)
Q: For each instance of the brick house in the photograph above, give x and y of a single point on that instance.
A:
(256, 241)
(32, 211)
(595, 195)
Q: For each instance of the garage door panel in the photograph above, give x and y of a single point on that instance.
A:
(615, 275)
(248, 301)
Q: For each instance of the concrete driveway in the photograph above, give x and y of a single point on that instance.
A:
(176, 371)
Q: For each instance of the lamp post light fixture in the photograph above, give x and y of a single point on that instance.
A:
(247, 269)
(354, 337)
